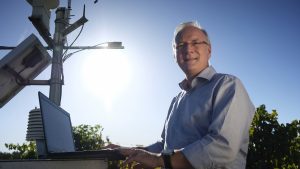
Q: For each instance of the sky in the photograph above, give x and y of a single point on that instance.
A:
(128, 91)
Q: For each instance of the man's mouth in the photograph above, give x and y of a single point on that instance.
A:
(190, 60)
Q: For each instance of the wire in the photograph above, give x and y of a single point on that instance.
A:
(70, 54)
(66, 56)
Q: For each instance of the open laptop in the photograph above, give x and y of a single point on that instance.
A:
(59, 135)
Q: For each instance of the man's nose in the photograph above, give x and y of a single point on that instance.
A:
(189, 47)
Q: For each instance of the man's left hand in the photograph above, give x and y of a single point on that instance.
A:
(138, 158)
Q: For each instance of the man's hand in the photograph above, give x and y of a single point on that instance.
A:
(138, 158)
(111, 146)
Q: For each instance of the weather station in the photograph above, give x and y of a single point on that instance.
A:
(23, 64)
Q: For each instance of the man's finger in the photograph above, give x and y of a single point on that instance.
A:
(126, 162)
(139, 166)
(126, 151)
(111, 146)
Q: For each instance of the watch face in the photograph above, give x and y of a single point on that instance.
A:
(166, 154)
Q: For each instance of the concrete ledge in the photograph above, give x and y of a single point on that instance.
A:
(55, 164)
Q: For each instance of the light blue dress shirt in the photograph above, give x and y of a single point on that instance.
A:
(209, 122)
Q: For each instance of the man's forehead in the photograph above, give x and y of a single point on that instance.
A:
(191, 33)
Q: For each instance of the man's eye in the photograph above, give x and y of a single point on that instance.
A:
(180, 45)
(193, 43)
(197, 43)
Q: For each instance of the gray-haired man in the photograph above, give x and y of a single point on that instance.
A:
(208, 122)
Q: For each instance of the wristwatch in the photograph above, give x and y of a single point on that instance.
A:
(166, 155)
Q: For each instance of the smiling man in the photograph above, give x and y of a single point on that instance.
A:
(208, 122)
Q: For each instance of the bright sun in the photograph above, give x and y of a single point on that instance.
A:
(106, 74)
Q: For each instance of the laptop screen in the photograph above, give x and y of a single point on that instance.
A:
(57, 126)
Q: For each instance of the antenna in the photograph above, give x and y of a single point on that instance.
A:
(69, 4)
(83, 11)
(30, 58)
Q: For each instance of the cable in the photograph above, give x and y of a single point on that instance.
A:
(70, 54)
(65, 56)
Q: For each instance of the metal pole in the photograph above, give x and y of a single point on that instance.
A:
(56, 73)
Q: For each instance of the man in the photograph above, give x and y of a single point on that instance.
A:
(208, 122)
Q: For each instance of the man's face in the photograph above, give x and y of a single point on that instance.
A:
(192, 51)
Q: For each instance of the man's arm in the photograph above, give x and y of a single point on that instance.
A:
(159, 145)
(153, 160)
(155, 148)
(228, 130)
(231, 118)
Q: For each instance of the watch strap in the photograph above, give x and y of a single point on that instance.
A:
(167, 159)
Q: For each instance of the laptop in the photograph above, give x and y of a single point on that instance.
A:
(58, 134)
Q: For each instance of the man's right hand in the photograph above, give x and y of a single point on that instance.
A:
(111, 146)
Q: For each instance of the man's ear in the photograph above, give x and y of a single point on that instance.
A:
(209, 51)
(174, 50)
(174, 55)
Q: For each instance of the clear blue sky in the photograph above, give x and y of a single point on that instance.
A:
(258, 41)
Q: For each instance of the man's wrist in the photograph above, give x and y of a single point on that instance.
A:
(143, 148)
(166, 156)
(160, 161)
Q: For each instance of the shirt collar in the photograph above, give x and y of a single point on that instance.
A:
(205, 74)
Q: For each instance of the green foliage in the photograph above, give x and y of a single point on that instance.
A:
(25, 151)
(273, 145)
(87, 137)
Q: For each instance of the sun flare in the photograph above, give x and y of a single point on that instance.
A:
(106, 74)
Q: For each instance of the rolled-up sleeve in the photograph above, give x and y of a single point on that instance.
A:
(156, 147)
(227, 137)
